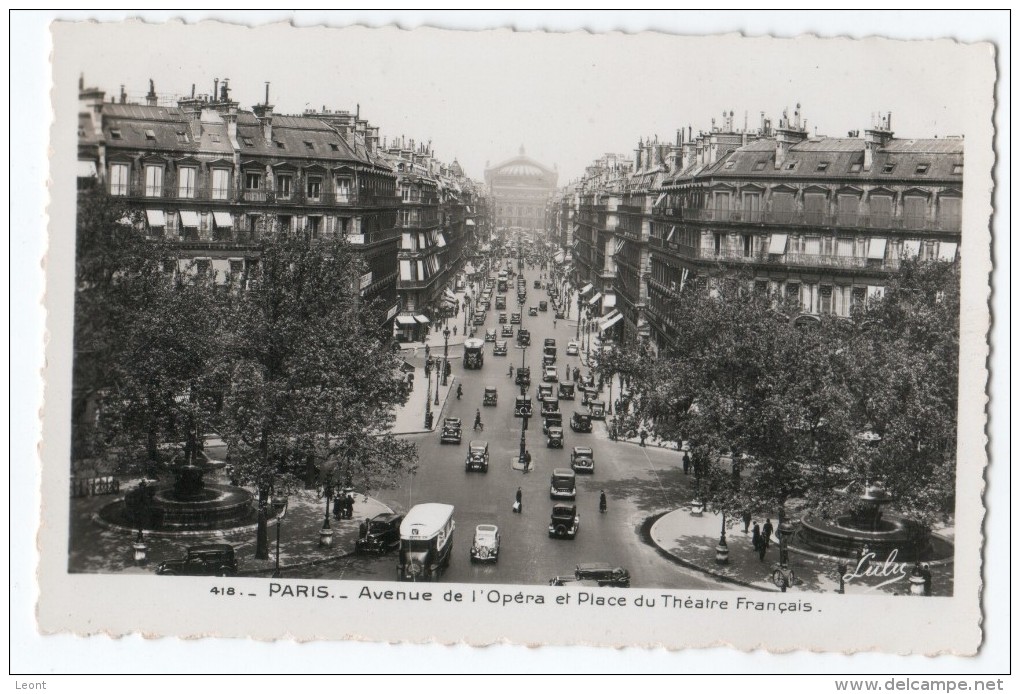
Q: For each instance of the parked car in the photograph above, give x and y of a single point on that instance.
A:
(451, 430)
(379, 535)
(201, 560)
(477, 456)
(572, 349)
(572, 581)
(564, 521)
(485, 546)
(550, 374)
(515, 318)
(554, 437)
(499, 349)
(506, 331)
(490, 335)
(604, 574)
(582, 459)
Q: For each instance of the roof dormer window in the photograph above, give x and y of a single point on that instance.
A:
(334, 146)
(280, 145)
(855, 168)
(759, 165)
(888, 168)
(822, 166)
(182, 137)
(150, 135)
(957, 168)
(921, 169)
(115, 134)
(309, 145)
(730, 164)
(791, 166)
(248, 142)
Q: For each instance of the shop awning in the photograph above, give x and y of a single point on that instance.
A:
(440, 239)
(611, 322)
(947, 251)
(86, 169)
(469, 222)
(669, 236)
(585, 289)
(189, 218)
(777, 244)
(405, 270)
(224, 220)
(594, 299)
(156, 218)
(876, 249)
(406, 320)
(422, 319)
(609, 301)
(608, 317)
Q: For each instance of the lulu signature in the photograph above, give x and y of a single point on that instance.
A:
(888, 568)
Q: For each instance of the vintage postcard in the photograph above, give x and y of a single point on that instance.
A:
(516, 337)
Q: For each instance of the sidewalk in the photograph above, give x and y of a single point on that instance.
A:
(691, 541)
(99, 548)
(410, 417)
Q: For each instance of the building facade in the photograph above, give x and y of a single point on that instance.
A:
(822, 220)
(519, 189)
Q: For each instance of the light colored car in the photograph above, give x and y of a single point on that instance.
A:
(572, 349)
(500, 348)
(582, 459)
(550, 374)
(485, 546)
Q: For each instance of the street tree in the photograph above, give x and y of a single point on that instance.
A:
(310, 378)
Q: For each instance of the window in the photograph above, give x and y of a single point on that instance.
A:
(220, 184)
(182, 137)
(814, 208)
(252, 181)
(284, 186)
(791, 166)
(284, 222)
(847, 206)
(150, 135)
(334, 146)
(314, 188)
(118, 179)
(153, 181)
(915, 210)
(855, 167)
(759, 165)
(822, 166)
(782, 207)
(280, 145)
(730, 164)
(881, 210)
(921, 169)
(343, 189)
(949, 214)
(957, 169)
(115, 134)
(214, 138)
(888, 168)
(186, 177)
(248, 142)
(313, 225)
(309, 145)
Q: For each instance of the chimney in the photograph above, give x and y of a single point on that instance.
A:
(150, 98)
(123, 95)
(264, 114)
(215, 87)
(230, 118)
(91, 100)
(875, 138)
(713, 149)
(787, 135)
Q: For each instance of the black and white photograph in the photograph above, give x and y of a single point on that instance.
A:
(529, 336)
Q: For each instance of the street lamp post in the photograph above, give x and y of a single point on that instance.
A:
(578, 317)
(446, 353)
(280, 504)
(436, 402)
(428, 399)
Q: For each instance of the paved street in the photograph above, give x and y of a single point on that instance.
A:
(639, 482)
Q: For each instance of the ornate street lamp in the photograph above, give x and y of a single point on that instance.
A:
(436, 402)
(578, 316)
(446, 353)
(428, 398)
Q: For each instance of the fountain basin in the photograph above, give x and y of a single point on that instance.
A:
(842, 537)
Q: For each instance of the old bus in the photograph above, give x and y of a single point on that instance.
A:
(473, 356)
(426, 539)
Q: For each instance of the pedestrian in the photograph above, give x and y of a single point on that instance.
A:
(746, 517)
(427, 351)
(643, 434)
(478, 419)
(511, 371)
(762, 549)
(527, 461)
(766, 532)
(337, 508)
(602, 502)
(455, 330)
(362, 529)
(577, 373)
(926, 575)
(755, 537)
(518, 501)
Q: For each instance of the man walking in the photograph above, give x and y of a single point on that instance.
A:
(746, 517)
(766, 533)
(755, 537)
(519, 504)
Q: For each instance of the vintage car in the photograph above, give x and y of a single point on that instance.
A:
(550, 404)
(564, 521)
(548, 359)
(479, 318)
(515, 319)
(587, 381)
(604, 574)
(560, 314)
(379, 534)
(550, 374)
(572, 581)
(544, 390)
(573, 349)
(506, 331)
(551, 419)
(543, 305)
(523, 376)
(549, 342)
(201, 560)
(485, 546)
(522, 406)
(502, 318)
(485, 303)
(589, 395)
(566, 390)
(499, 349)
(500, 301)
(580, 421)
(538, 284)
(477, 456)
(582, 459)
(597, 409)
(490, 335)
(532, 311)
(451, 430)
(523, 337)
(554, 437)
(490, 398)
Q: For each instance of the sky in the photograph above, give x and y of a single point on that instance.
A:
(566, 98)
